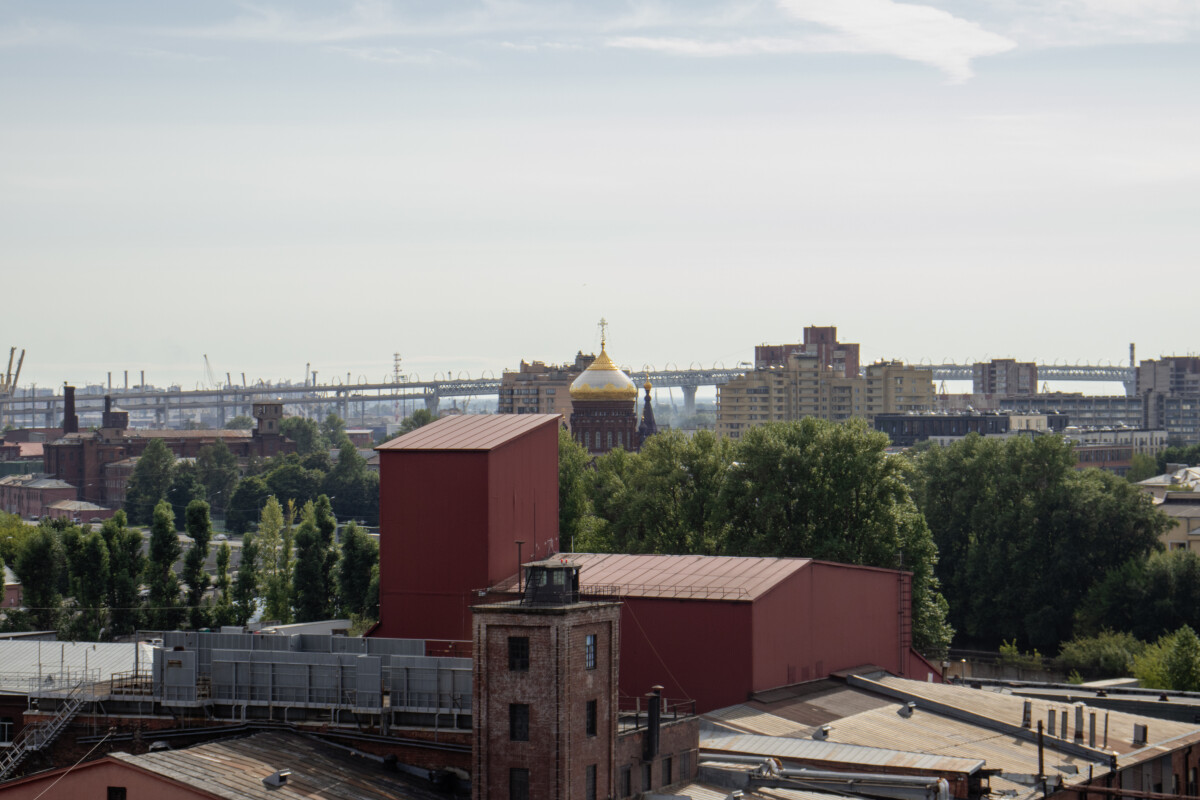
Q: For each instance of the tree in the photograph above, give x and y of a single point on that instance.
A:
(274, 551)
(310, 592)
(217, 469)
(199, 528)
(163, 585)
(359, 559)
(245, 586)
(1105, 655)
(13, 531)
(333, 428)
(305, 433)
(246, 504)
(126, 565)
(240, 423)
(1173, 662)
(223, 611)
(39, 565)
(292, 482)
(90, 579)
(149, 482)
(830, 491)
(574, 504)
(1141, 467)
(352, 488)
(1023, 535)
(185, 487)
(1147, 596)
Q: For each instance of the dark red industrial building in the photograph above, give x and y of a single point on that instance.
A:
(455, 497)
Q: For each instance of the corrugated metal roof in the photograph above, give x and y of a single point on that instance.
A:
(471, 432)
(808, 749)
(817, 702)
(235, 768)
(701, 791)
(694, 577)
(1008, 708)
(21, 661)
(754, 721)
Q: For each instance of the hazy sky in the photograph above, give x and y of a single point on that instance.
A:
(473, 183)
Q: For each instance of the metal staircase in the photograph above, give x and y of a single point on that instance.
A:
(37, 735)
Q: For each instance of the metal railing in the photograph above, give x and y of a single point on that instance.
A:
(36, 735)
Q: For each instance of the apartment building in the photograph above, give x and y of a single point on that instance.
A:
(540, 388)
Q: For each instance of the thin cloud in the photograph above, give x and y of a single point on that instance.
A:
(915, 32)
(397, 55)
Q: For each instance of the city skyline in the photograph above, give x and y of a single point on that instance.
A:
(473, 184)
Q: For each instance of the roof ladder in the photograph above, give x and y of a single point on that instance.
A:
(40, 734)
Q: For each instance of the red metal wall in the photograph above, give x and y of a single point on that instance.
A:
(433, 524)
(696, 649)
(824, 618)
(522, 502)
(448, 524)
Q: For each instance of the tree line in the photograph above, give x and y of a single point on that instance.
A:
(114, 582)
(1006, 539)
(239, 494)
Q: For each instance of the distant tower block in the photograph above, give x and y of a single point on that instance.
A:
(545, 704)
(269, 415)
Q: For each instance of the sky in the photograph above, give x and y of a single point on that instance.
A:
(470, 184)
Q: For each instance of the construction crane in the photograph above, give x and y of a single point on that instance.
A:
(212, 377)
(8, 381)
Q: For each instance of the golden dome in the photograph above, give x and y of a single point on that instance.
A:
(603, 380)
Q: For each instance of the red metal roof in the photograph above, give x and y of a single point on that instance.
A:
(471, 432)
(694, 577)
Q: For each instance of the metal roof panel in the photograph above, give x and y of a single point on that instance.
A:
(470, 432)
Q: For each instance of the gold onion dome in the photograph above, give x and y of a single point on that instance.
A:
(603, 380)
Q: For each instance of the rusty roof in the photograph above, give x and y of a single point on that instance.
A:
(471, 432)
(806, 749)
(691, 577)
(234, 769)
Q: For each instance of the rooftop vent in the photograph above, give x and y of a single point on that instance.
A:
(822, 733)
(907, 709)
(1141, 734)
(278, 778)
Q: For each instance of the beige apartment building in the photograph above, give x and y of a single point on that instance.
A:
(804, 387)
(538, 388)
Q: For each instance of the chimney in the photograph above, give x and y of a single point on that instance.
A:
(107, 403)
(653, 721)
(1027, 715)
(1051, 718)
(70, 418)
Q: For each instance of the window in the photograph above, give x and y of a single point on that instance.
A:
(116, 793)
(518, 653)
(589, 651)
(6, 729)
(589, 782)
(646, 774)
(610, 440)
(685, 766)
(626, 781)
(591, 718)
(666, 771)
(518, 722)
(518, 783)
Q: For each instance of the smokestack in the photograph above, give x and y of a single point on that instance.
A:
(70, 418)
(127, 380)
(653, 720)
(107, 403)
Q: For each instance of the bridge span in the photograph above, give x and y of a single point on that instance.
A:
(230, 401)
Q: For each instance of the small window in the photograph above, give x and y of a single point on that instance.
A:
(518, 653)
(116, 793)
(518, 783)
(589, 782)
(626, 781)
(646, 776)
(589, 651)
(518, 722)
(591, 718)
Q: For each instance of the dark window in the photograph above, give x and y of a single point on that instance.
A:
(518, 653)
(589, 651)
(591, 717)
(646, 776)
(626, 781)
(685, 766)
(666, 769)
(518, 783)
(589, 782)
(6, 729)
(116, 793)
(518, 722)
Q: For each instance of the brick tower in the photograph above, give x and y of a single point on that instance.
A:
(545, 692)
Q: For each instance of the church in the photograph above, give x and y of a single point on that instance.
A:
(604, 408)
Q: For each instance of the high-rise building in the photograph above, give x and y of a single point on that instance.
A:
(540, 388)
(1004, 376)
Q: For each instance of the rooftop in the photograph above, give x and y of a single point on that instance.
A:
(698, 577)
(471, 432)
